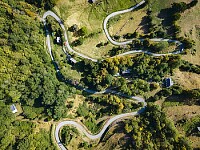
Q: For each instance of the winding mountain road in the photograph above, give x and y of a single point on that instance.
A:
(105, 23)
(80, 127)
(113, 15)
(52, 14)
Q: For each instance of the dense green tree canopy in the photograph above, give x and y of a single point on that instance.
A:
(27, 73)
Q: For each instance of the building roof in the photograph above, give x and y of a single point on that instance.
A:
(58, 39)
(168, 82)
(127, 71)
(72, 60)
(117, 74)
(92, 1)
(13, 108)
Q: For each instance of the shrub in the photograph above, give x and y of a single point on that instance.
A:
(73, 28)
(77, 42)
(83, 31)
(159, 46)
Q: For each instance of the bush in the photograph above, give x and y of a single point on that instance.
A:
(165, 92)
(77, 42)
(176, 90)
(179, 7)
(83, 31)
(128, 36)
(176, 16)
(116, 37)
(146, 43)
(82, 110)
(100, 44)
(154, 86)
(187, 43)
(159, 46)
(192, 3)
(191, 125)
(73, 28)
(186, 66)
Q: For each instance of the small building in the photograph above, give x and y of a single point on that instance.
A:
(13, 108)
(117, 74)
(127, 71)
(168, 82)
(182, 49)
(58, 40)
(92, 1)
(198, 129)
(72, 60)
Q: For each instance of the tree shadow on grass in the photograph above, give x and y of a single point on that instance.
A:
(144, 25)
(167, 20)
(183, 98)
(166, 14)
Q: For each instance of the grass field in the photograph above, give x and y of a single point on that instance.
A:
(156, 6)
(190, 27)
(187, 80)
(127, 23)
(91, 16)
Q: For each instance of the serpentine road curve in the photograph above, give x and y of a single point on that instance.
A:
(52, 14)
(89, 135)
(130, 41)
(114, 118)
(115, 14)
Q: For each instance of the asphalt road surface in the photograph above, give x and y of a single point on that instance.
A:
(79, 126)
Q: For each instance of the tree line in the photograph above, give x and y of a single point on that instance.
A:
(104, 74)
(46, 4)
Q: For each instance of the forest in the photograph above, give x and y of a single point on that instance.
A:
(20, 135)
(26, 69)
(28, 78)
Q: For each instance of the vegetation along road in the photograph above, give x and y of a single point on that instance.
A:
(80, 127)
(50, 13)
